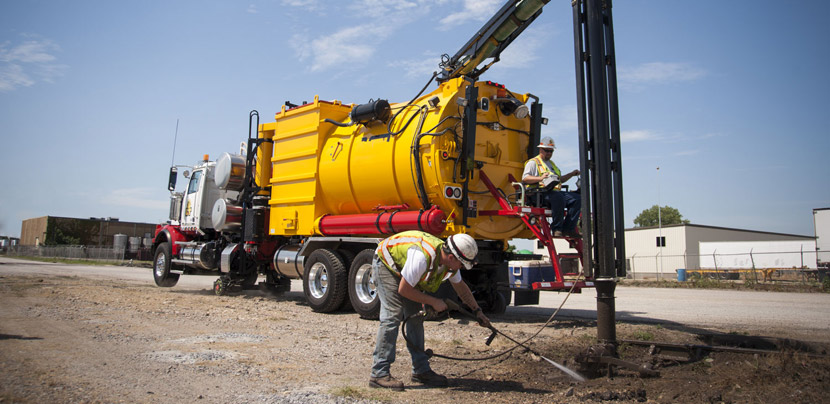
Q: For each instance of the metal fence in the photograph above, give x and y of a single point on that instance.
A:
(721, 264)
(79, 252)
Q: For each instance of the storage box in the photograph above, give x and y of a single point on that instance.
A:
(523, 274)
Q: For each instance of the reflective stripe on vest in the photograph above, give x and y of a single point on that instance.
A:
(543, 168)
(393, 250)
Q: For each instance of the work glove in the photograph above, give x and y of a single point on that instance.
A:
(481, 318)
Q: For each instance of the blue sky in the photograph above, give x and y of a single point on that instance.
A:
(728, 98)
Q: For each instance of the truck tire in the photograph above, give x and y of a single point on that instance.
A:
(249, 281)
(325, 281)
(498, 304)
(275, 284)
(161, 267)
(362, 286)
(347, 257)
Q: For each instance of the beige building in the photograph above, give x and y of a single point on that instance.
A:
(54, 230)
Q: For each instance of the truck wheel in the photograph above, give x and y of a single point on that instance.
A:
(274, 284)
(498, 304)
(249, 280)
(325, 281)
(161, 267)
(362, 286)
(348, 258)
(220, 287)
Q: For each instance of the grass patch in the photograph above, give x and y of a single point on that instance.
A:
(349, 392)
(587, 338)
(709, 283)
(75, 261)
(643, 335)
(71, 261)
(359, 393)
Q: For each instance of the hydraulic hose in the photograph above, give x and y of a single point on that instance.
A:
(340, 124)
(389, 125)
(452, 305)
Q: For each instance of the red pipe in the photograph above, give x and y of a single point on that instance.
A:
(430, 221)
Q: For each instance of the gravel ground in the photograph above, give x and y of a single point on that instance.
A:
(87, 339)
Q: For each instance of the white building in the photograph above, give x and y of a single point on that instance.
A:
(693, 246)
(821, 223)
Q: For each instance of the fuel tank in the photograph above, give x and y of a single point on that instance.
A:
(317, 162)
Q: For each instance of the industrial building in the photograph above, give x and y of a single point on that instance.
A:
(658, 252)
(53, 230)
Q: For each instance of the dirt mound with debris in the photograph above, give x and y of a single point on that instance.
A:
(73, 339)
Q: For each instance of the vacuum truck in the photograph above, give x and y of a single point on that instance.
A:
(312, 193)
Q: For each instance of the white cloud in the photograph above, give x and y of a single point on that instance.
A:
(659, 73)
(252, 9)
(414, 68)
(637, 136)
(384, 8)
(525, 49)
(28, 62)
(562, 122)
(690, 152)
(355, 45)
(144, 198)
(310, 5)
(12, 77)
(342, 48)
(474, 10)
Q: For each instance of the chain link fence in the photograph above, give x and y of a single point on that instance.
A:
(79, 252)
(758, 266)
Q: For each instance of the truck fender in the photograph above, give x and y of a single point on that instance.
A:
(169, 234)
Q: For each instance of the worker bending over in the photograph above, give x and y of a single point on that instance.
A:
(406, 266)
(541, 172)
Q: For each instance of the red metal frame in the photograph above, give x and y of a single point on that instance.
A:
(536, 220)
(174, 233)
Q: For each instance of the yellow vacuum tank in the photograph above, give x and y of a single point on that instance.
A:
(320, 165)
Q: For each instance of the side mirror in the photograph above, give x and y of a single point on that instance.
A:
(171, 183)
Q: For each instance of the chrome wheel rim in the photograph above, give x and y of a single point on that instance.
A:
(160, 263)
(365, 286)
(318, 280)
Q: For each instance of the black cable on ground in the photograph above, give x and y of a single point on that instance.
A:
(431, 353)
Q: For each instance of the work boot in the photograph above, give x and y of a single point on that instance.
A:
(430, 378)
(558, 234)
(386, 382)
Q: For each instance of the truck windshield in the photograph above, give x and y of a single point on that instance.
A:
(194, 182)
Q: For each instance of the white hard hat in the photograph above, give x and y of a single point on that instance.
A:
(463, 247)
(547, 143)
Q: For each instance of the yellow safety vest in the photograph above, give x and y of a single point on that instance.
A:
(392, 252)
(543, 168)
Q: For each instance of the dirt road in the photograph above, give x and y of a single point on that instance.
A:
(75, 334)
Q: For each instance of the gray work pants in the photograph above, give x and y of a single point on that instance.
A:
(394, 308)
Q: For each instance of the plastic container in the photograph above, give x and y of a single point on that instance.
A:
(523, 274)
(681, 275)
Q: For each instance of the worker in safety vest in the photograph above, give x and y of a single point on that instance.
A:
(540, 171)
(406, 266)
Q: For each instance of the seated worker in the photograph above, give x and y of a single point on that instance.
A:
(541, 172)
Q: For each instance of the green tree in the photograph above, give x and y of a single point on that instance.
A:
(69, 231)
(668, 215)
